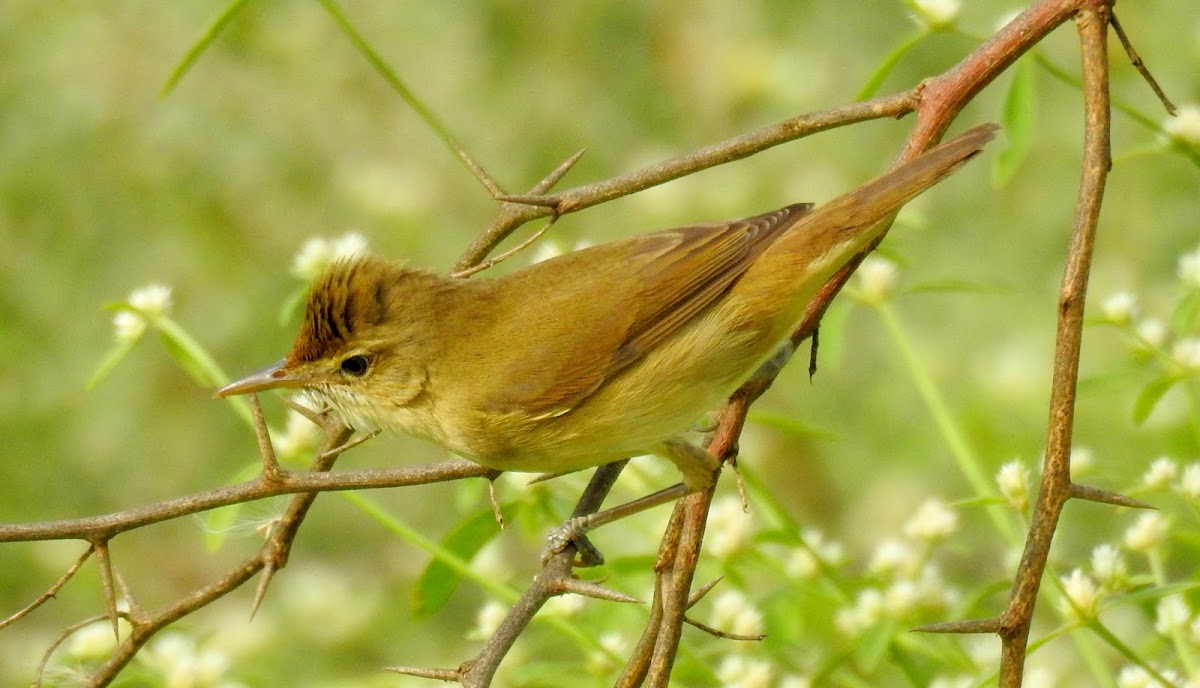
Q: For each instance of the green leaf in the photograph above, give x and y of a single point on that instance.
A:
(189, 353)
(1185, 319)
(790, 425)
(873, 645)
(881, 73)
(438, 581)
(1017, 118)
(110, 362)
(1150, 396)
(210, 34)
(293, 305)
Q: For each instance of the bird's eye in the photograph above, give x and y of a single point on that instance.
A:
(356, 365)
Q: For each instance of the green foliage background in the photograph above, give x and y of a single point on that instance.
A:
(281, 131)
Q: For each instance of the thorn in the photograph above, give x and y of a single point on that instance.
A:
(593, 590)
(968, 626)
(1096, 494)
(812, 353)
(1136, 61)
(699, 593)
(558, 172)
(531, 199)
(741, 484)
(492, 262)
(723, 634)
(549, 476)
(352, 443)
(260, 592)
(314, 416)
(104, 561)
(496, 512)
(454, 675)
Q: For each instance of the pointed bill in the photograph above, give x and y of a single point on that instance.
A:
(275, 376)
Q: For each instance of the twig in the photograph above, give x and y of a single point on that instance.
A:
(1055, 488)
(51, 591)
(1136, 60)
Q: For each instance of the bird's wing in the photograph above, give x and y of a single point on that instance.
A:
(588, 315)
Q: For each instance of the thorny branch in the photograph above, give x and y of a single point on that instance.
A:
(936, 102)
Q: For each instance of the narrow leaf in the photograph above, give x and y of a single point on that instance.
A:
(210, 34)
(110, 362)
(438, 581)
(293, 305)
(190, 354)
(1018, 120)
(1185, 318)
(875, 81)
(1150, 396)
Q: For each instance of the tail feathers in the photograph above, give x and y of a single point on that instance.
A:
(885, 194)
(783, 280)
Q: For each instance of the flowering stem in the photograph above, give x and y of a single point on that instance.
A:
(968, 463)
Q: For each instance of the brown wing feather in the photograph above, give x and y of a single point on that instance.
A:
(657, 284)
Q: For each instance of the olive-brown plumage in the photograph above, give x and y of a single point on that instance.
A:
(593, 356)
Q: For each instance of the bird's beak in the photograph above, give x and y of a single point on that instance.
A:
(272, 377)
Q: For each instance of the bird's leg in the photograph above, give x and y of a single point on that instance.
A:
(699, 469)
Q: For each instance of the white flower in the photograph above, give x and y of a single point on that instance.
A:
(1189, 268)
(868, 609)
(95, 641)
(1147, 533)
(349, 245)
(613, 644)
(1161, 472)
(1186, 353)
(801, 564)
(733, 613)
(1108, 565)
(488, 619)
(182, 665)
(153, 300)
(318, 253)
(952, 682)
(300, 436)
(1189, 484)
(1013, 480)
(830, 552)
(1082, 595)
(900, 598)
(806, 561)
(736, 671)
(877, 278)
(1040, 677)
(1172, 615)
(1152, 332)
(1135, 677)
(938, 14)
(149, 302)
(1082, 460)
(932, 588)
(128, 326)
(1185, 125)
(934, 521)
(894, 556)
(1120, 308)
(729, 527)
(564, 605)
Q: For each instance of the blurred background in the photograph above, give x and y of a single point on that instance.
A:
(281, 132)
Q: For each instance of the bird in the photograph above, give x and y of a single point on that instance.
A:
(594, 356)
